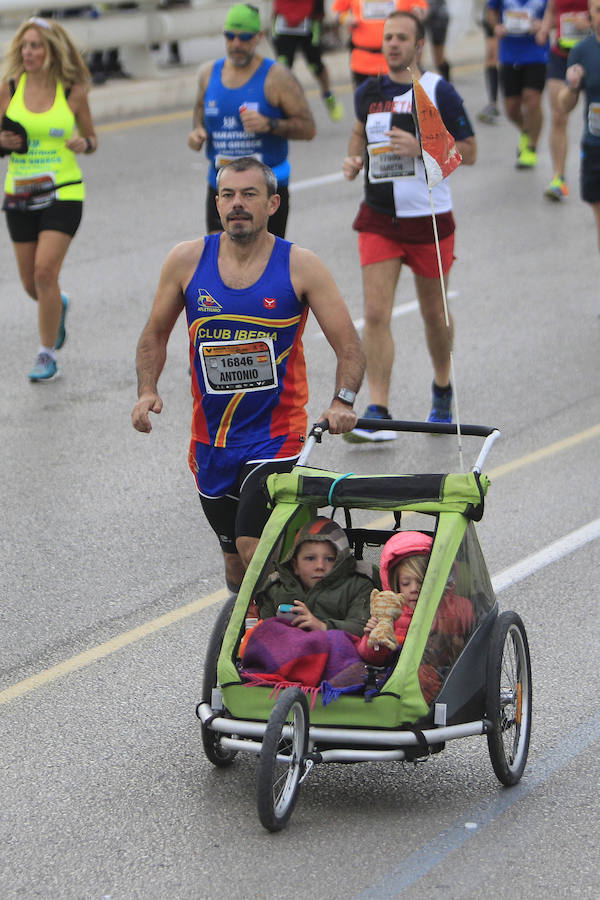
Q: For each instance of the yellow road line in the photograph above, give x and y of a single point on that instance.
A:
(20, 688)
(146, 120)
(102, 650)
(160, 118)
(520, 463)
(545, 452)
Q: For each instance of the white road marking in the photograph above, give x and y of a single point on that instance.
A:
(553, 552)
(435, 851)
(315, 182)
(431, 854)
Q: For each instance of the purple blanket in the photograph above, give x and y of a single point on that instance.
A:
(277, 653)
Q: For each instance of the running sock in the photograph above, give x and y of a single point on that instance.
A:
(442, 391)
(491, 80)
(49, 350)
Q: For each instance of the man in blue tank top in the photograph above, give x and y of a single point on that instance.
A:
(248, 106)
(247, 295)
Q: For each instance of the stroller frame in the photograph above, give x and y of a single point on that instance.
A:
(487, 691)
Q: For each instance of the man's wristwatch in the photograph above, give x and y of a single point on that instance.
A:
(273, 125)
(346, 396)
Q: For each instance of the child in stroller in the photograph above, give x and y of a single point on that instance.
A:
(403, 564)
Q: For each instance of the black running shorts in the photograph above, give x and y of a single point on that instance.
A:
(516, 78)
(62, 215)
(286, 46)
(244, 515)
(589, 178)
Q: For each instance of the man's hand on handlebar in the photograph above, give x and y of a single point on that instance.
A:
(340, 416)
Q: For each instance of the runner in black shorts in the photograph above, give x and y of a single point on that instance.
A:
(436, 27)
(298, 27)
(246, 295)
(43, 187)
(523, 54)
(62, 215)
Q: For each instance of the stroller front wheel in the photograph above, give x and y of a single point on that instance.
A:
(508, 698)
(281, 762)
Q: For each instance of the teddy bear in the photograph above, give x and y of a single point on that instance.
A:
(386, 606)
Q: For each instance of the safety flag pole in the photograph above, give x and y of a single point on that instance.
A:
(440, 157)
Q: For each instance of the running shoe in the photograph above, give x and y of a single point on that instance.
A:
(527, 159)
(364, 435)
(335, 109)
(44, 369)
(62, 333)
(523, 143)
(441, 405)
(557, 189)
(489, 115)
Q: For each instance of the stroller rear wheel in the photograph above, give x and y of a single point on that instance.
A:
(281, 763)
(508, 698)
(211, 740)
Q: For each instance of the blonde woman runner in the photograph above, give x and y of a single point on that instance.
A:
(46, 121)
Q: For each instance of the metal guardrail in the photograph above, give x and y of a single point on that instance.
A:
(134, 31)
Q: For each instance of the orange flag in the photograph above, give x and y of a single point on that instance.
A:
(438, 147)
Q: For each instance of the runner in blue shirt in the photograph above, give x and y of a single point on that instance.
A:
(523, 54)
(248, 106)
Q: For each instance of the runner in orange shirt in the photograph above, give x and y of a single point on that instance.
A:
(365, 20)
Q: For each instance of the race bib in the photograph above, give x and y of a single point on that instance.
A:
(377, 126)
(385, 165)
(223, 159)
(517, 21)
(34, 185)
(236, 366)
(594, 119)
(573, 27)
(283, 27)
(377, 9)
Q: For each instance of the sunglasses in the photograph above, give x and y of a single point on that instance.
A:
(244, 36)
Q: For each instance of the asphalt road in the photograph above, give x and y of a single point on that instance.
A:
(111, 580)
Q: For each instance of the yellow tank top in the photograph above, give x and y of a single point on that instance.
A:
(48, 156)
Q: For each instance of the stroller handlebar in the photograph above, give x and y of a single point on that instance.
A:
(491, 434)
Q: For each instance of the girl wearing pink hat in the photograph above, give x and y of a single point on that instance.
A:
(403, 563)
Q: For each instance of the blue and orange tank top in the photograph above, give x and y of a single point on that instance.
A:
(248, 369)
(48, 159)
(227, 138)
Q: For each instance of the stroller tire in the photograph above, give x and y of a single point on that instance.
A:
(508, 698)
(281, 761)
(211, 740)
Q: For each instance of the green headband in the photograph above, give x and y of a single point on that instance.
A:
(243, 17)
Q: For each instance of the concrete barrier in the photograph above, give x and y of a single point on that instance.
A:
(133, 31)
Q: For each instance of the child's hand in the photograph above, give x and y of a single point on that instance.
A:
(371, 624)
(305, 619)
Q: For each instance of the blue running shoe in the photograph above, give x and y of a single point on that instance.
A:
(364, 435)
(62, 333)
(45, 368)
(441, 404)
